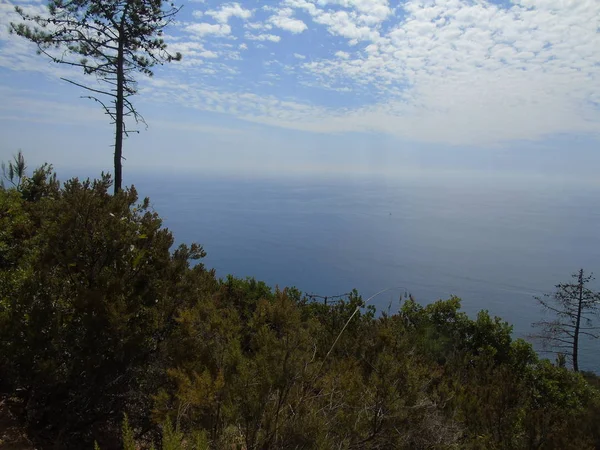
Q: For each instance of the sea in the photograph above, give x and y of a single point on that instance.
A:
(495, 242)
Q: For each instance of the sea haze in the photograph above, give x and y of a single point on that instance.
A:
(495, 243)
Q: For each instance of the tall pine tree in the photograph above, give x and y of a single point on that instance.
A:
(111, 39)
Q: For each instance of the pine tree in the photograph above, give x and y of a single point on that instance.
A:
(14, 172)
(111, 39)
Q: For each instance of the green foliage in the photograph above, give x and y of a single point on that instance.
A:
(128, 440)
(110, 335)
(14, 172)
(88, 292)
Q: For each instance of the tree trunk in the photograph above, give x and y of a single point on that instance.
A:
(578, 321)
(119, 111)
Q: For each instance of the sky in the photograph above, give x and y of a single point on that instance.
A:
(473, 87)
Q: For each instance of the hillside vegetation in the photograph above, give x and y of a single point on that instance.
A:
(102, 319)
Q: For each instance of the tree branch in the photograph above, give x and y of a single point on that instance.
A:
(97, 91)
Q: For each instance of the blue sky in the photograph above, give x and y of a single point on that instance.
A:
(336, 87)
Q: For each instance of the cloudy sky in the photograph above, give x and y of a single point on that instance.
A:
(337, 86)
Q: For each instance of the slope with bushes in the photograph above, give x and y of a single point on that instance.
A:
(100, 318)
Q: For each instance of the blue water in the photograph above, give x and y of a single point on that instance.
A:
(494, 244)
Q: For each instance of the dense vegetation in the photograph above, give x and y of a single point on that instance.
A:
(100, 319)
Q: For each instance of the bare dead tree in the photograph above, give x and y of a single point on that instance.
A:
(574, 307)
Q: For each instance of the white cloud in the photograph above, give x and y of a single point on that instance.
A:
(258, 26)
(203, 29)
(229, 10)
(474, 72)
(353, 21)
(263, 37)
(370, 12)
(342, 23)
(194, 51)
(299, 56)
(208, 54)
(283, 19)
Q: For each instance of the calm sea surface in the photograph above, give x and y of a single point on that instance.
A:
(494, 244)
